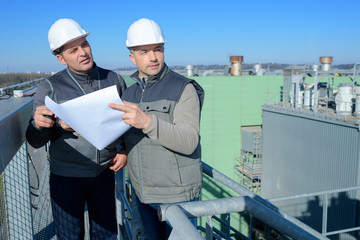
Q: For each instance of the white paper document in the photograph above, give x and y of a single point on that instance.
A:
(91, 117)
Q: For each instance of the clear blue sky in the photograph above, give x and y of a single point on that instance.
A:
(198, 32)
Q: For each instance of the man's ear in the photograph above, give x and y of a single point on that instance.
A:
(61, 59)
(132, 58)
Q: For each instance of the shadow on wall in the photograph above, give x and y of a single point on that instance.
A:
(343, 213)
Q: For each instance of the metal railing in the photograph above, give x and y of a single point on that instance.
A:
(268, 208)
(179, 214)
(7, 89)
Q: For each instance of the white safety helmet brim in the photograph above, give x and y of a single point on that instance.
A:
(84, 35)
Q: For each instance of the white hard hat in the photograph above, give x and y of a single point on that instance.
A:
(64, 31)
(144, 32)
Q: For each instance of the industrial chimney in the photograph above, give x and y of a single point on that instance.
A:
(236, 68)
(189, 70)
(326, 63)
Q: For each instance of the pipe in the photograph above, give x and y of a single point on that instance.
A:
(206, 207)
(355, 73)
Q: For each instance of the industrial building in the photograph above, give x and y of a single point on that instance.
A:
(311, 157)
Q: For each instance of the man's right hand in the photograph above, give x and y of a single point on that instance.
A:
(40, 119)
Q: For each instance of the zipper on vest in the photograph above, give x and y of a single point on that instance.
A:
(76, 82)
(143, 87)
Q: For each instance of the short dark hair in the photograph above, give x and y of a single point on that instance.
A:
(58, 50)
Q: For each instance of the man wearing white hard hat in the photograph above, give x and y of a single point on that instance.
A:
(79, 173)
(163, 146)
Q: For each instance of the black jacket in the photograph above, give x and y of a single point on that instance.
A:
(70, 154)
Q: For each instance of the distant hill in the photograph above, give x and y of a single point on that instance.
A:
(344, 66)
(270, 66)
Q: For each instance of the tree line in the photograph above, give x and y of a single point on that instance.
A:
(8, 79)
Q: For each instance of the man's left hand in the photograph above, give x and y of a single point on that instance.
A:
(65, 126)
(119, 161)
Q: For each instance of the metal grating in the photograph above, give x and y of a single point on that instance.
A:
(4, 232)
(18, 218)
(39, 183)
(44, 228)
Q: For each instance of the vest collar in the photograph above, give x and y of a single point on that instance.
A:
(88, 78)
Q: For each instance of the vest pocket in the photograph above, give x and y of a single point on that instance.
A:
(159, 108)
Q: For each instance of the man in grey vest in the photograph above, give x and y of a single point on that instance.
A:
(80, 174)
(163, 146)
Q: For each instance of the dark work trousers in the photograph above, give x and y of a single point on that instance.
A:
(68, 198)
(145, 221)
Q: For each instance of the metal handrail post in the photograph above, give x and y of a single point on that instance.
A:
(251, 227)
(121, 205)
(325, 214)
(209, 228)
(228, 225)
(182, 227)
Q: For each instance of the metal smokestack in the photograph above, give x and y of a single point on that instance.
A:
(236, 67)
(189, 70)
(326, 63)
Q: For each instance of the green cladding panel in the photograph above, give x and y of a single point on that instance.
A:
(232, 102)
